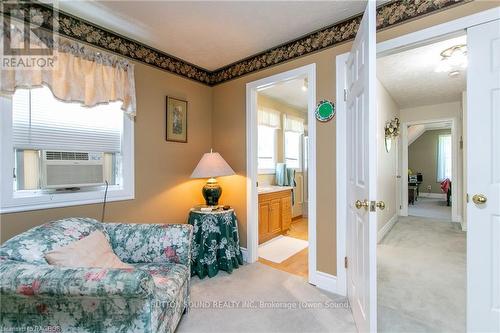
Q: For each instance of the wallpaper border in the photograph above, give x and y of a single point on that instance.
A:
(388, 15)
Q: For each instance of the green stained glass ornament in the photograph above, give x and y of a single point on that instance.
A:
(325, 111)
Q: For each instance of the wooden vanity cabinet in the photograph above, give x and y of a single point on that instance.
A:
(275, 214)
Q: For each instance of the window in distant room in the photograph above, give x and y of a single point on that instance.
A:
(268, 121)
(294, 132)
(293, 149)
(266, 149)
(444, 157)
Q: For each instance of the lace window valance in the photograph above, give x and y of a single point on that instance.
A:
(80, 73)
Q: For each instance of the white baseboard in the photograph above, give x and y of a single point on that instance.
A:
(244, 253)
(326, 281)
(386, 228)
(432, 195)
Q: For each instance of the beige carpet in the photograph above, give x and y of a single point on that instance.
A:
(431, 208)
(232, 303)
(422, 277)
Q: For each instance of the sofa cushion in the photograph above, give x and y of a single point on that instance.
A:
(168, 278)
(31, 246)
(90, 251)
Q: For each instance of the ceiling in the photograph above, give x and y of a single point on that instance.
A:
(415, 131)
(213, 34)
(411, 79)
(288, 92)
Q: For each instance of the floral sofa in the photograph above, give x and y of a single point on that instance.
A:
(150, 297)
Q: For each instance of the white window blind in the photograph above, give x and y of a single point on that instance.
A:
(294, 124)
(268, 117)
(41, 122)
(444, 158)
(266, 148)
(293, 149)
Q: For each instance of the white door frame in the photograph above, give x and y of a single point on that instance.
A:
(252, 196)
(395, 45)
(455, 204)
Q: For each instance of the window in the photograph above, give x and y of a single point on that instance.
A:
(444, 157)
(294, 131)
(61, 153)
(293, 149)
(266, 149)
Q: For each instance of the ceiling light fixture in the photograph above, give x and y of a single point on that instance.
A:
(453, 59)
(305, 85)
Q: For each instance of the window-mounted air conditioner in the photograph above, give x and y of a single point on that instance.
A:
(70, 169)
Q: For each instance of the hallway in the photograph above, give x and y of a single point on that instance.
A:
(422, 277)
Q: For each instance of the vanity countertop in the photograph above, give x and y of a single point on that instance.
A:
(272, 189)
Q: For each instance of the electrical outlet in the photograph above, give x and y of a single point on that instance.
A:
(429, 188)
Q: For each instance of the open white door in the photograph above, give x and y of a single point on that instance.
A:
(483, 178)
(361, 149)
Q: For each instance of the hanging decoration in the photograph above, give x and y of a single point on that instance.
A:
(325, 110)
(391, 132)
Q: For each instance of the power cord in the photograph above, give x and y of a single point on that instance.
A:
(104, 202)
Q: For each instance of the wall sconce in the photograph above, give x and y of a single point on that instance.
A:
(391, 132)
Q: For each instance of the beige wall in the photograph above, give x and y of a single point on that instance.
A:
(422, 157)
(386, 161)
(432, 112)
(229, 130)
(163, 190)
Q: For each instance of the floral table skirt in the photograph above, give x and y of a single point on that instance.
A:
(216, 243)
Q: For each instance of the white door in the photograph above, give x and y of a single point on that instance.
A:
(361, 174)
(483, 178)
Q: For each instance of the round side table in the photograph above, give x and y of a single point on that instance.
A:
(216, 243)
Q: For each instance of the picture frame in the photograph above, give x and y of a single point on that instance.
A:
(176, 120)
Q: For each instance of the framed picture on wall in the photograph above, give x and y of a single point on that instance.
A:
(176, 120)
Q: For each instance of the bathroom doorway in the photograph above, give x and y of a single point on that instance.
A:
(281, 174)
(281, 167)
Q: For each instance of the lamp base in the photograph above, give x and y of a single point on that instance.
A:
(212, 192)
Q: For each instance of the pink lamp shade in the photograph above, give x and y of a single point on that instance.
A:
(212, 165)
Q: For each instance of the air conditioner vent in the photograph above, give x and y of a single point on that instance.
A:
(66, 156)
(68, 169)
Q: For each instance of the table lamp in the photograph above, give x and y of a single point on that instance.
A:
(210, 166)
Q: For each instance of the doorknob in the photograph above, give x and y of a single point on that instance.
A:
(479, 199)
(380, 205)
(360, 204)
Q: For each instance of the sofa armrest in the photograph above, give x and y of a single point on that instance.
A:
(144, 243)
(29, 279)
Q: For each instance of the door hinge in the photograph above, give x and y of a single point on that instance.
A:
(345, 262)
(345, 95)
